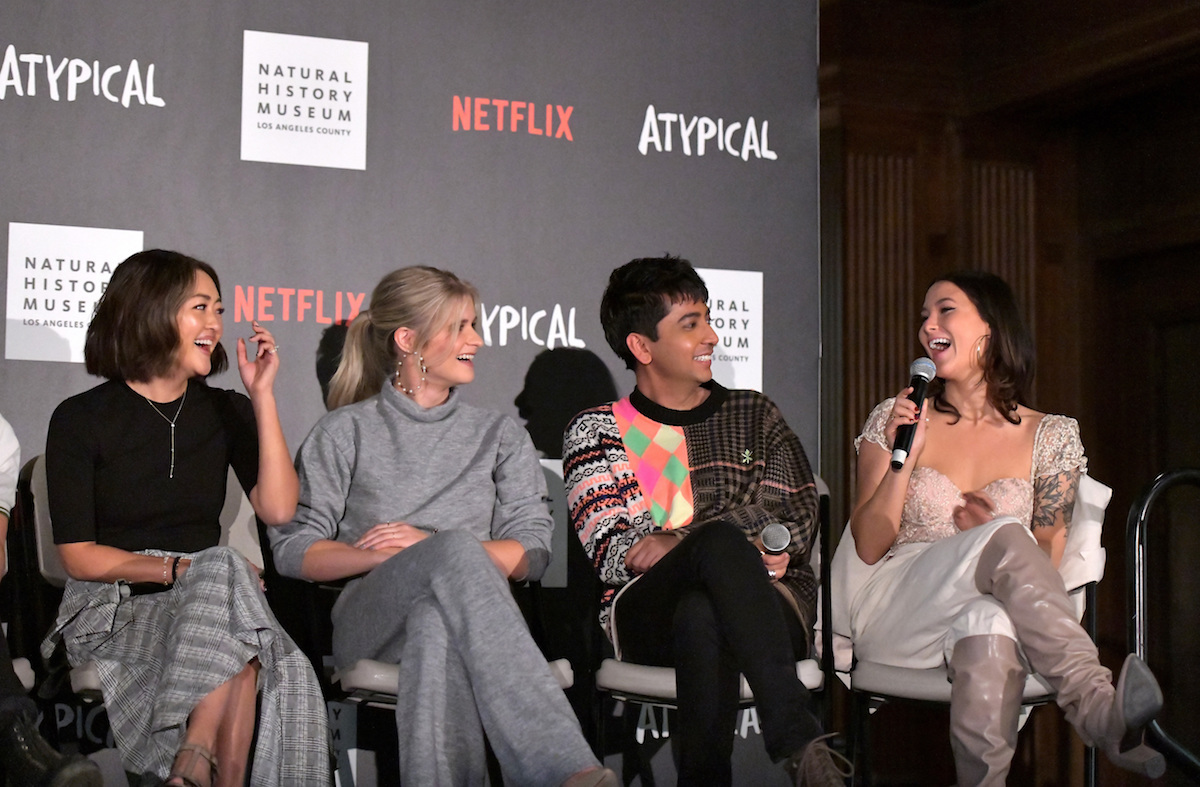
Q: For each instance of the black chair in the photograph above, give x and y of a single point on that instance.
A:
(872, 685)
(639, 683)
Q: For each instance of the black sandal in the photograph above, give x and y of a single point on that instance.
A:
(184, 767)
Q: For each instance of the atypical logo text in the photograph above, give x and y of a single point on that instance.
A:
(31, 74)
(696, 135)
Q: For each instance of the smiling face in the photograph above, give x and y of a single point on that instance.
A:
(450, 359)
(683, 351)
(952, 332)
(200, 327)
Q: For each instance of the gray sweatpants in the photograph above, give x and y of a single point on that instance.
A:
(467, 666)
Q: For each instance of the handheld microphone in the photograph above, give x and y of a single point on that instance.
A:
(922, 371)
(775, 537)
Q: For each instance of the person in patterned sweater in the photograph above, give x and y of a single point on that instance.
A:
(669, 489)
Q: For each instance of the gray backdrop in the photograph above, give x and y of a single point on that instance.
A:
(533, 221)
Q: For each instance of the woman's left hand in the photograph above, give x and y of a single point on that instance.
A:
(258, 572)
(776, 565)
(977, 509)
(258, 373)
(394, 535)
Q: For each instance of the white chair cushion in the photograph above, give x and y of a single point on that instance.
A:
(377, 677)
(931, 685)
(24, 672)
(622, 677)
(85, 680)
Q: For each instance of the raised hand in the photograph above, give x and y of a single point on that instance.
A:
(258, 373)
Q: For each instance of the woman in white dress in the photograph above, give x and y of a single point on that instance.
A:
(968, 534)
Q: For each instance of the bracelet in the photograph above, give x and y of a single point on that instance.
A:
(175, 570)
(166, 560)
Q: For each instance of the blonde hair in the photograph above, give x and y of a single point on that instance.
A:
(423, 299)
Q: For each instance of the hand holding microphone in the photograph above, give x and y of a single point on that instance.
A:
(921, 371)
(775, 539)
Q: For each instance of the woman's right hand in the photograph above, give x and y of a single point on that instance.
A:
(904, 412)
(648, 550)
(879, 504)
(391, 535)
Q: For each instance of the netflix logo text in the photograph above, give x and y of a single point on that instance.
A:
(515, 117)
(295, 304)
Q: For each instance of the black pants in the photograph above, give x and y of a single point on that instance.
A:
(708, 609)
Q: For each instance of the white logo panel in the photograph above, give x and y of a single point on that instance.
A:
(735, 304)
(304, 100)
(55, 277)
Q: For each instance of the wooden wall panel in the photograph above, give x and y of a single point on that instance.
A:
(880, 258)
(1001, 221)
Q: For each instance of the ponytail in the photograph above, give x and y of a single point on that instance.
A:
(362, 369)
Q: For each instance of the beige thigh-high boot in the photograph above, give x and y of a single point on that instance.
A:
(1015, 570)
(985, 705)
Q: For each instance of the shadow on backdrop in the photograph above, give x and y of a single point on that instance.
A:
(562, 609)
(561, 383)
(329, 355)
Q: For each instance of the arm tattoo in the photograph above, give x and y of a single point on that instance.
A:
(1054, 496)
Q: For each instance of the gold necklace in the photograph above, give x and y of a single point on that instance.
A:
(171, 421)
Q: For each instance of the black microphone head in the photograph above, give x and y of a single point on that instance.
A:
(775, 537)
(923, 368)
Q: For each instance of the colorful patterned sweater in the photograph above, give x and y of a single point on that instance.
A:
(741, 463)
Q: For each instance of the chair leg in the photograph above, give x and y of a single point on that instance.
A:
(860, 746)
(1090, 766)
(599, 725)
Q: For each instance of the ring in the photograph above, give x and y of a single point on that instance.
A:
(771, 573)
(274, 349)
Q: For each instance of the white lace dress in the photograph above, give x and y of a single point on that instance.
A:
(921, 598)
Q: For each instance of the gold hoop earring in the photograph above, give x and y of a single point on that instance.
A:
(980, 346)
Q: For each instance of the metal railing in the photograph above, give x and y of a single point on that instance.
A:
(1136, 535)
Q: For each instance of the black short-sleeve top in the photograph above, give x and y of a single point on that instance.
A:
(108, 466)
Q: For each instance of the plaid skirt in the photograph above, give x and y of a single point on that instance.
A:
(159, 654)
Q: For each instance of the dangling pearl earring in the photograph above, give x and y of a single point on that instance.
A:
(411, 392)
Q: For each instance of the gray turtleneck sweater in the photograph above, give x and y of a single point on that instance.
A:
(386, 459)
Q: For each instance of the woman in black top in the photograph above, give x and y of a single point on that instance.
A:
(136, 472)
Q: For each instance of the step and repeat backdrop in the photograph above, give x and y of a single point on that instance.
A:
(305, 149)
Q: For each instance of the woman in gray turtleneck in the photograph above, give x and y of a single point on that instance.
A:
(430, 505)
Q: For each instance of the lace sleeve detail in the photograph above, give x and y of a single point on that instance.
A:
(873, 429)
(1057, 447)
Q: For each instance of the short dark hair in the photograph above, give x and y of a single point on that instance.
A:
(1009, 360)
(134, 334)
(639, 295)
